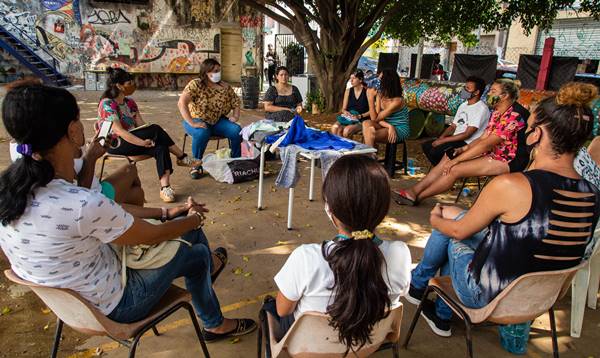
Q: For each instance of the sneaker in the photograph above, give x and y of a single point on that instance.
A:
(415, 295)
(186, 161)
(167, 194)
(196, 172)
(439, 326)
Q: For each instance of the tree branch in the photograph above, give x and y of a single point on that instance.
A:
(270, 13)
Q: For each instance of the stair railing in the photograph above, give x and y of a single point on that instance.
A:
(23, 34)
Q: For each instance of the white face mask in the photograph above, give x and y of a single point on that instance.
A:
(215, 77)
(329, 215)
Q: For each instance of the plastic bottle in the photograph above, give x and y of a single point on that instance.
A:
(465, 192)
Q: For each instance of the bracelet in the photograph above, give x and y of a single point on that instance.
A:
(165, 215)
(201, 218)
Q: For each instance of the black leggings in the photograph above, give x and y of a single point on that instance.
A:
(160, 151)
(435, 154)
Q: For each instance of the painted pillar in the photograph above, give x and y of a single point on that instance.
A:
(545, 65)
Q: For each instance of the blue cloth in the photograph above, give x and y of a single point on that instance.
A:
(452, 258)
(224, 128)
(145, 288)
(309, 138)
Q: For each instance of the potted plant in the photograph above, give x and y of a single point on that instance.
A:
(315, 102)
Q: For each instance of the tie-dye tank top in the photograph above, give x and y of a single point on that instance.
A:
(554, 235)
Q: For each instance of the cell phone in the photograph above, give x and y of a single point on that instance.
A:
(104, 132)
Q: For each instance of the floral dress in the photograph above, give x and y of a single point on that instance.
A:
(506, 126)
(110, 110)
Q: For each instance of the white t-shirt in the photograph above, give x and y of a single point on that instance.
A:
(306, 277)
(471, 115)
(61, 240)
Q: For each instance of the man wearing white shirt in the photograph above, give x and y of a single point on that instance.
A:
(469, 123)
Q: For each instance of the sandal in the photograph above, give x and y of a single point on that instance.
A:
(244, 326)
(401, 198)
(221, 254)
(197, 172)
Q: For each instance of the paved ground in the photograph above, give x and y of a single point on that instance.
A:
(261, 236)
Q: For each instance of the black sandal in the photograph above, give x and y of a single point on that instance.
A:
(244, 326)
(221, 254)
(197, 172)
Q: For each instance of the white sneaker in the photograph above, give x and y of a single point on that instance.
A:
(167, 194)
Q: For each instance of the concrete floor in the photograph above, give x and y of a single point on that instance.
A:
(262, 237)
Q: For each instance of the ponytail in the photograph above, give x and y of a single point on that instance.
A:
(17, 182)
(361, 293)
(38, 117)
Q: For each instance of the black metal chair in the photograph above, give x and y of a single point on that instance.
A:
(390, 163)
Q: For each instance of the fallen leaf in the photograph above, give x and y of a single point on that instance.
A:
(222, 213)
(251, 227)
(234, 340)
(255, 211)
(245, 258)
(281, 242)
(47, 326)
(98, 352)
(299, 235)
(308, 225)
(5, 310)
(212, 221)
(46, 310)
(237, 198)
(277, 214)
(237, 271)
(273, 190)
(248, 274)
(224, 225)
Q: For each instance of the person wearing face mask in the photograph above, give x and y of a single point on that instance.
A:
(204, 105)
(499, 150)
(469, 123)
(541, 219)
(57, 233)
(282, 100)
(133, 137)
(356, 277)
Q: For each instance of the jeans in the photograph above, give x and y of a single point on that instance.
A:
(145, 288)
(224, 128)
(452, 258)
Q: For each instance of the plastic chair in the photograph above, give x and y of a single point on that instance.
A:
(131, 159)
(585, 285)
(311, 336)
(526, 298)
(83, 317)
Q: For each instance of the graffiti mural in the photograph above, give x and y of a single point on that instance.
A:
(251, 26)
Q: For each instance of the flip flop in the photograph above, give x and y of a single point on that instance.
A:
(401, 198)
(221, 254)
(244, 326)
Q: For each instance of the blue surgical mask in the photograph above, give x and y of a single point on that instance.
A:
(466, 95)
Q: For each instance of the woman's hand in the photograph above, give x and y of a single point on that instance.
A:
(437, 211)
(299, 109)
(448, 166)
(148, 143)
(177, 211)
(234, 119)
(94, 150)
(461, 150)
(392, 135)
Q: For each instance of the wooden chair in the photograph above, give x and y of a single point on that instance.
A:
(526, 298)
(311, 336)
(83, 317)
(585, 288)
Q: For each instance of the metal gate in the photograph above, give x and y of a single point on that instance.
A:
(282, 44)
(574, 37)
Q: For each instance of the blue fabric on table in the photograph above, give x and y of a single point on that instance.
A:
(309, 138)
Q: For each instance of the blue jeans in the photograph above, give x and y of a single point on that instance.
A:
(146, 287)
(224, 128)
(452, 258)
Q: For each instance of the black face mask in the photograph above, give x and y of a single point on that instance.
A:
(530, 147)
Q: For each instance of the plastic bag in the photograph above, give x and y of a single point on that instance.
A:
(231, 170)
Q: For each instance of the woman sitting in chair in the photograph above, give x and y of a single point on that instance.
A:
(133, 137)
(538, 220)
(282, 100)
(204, 105)
(57, 234)
(498, 151)
(355, 107)
(389, 120)
(356, 278)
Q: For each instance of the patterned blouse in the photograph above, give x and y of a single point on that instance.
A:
(506, 126)
(110, 110)
(209, 103)
(587, 167)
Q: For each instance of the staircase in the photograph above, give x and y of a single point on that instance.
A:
(28, 58)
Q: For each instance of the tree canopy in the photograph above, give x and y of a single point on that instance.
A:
(342, 30)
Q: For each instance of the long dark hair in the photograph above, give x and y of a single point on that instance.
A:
(390, 84)
(39, 116)
(205, 67)
(116, 76)
(568, 116)
(279, 69)
(357, 191)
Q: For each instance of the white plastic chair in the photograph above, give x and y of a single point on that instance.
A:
(585, 286)
(311, 336)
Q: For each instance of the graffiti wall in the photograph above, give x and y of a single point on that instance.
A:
(161, 37)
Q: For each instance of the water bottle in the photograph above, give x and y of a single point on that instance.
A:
(465, 192)
(514, 337)
(411, 162)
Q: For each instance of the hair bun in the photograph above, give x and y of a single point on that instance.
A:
(576, 94)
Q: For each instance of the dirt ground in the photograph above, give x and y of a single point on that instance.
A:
(258, 244)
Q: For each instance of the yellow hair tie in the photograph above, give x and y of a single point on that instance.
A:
(362, 235)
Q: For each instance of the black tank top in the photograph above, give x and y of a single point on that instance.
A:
(554, 234)
(360, 104)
